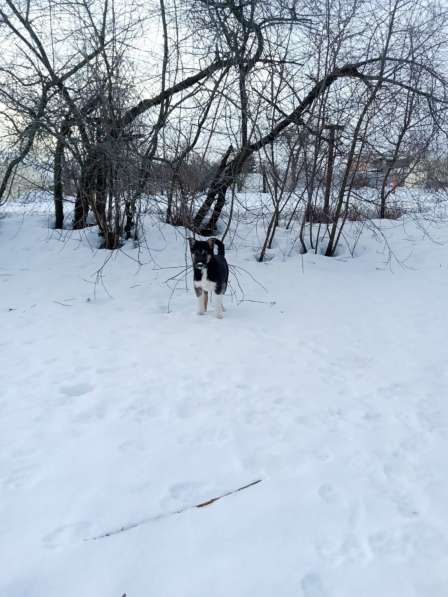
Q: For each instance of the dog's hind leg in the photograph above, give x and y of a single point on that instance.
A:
(219, 306)
(205, 300)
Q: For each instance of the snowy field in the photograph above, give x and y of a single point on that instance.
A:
(121, 410)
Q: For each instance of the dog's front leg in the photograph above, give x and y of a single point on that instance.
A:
(201, 300)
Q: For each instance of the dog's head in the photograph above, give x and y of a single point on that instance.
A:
(201, 252)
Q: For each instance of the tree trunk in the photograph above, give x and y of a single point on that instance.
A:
(129, 208)
(81, 211)
(330, 168)
(100, 167)
(58, 185)
(83, 197)
(265, 180)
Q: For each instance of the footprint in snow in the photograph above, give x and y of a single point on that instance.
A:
(185, 491)
(78, 389)
(16, 478)
(186, 410)
(338, 552)
(184, 494)
(323, 455)
(396, 543)
(432, 419)
(312, 586)
(328, 493)
(391, 391)
(68, 533)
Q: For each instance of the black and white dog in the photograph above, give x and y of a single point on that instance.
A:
(211, 272)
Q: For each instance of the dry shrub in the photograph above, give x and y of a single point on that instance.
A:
(315, 214)
(393, 212)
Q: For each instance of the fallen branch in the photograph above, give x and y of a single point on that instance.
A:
(215, 499)
(270, 303)
(143, 521)
(62, 304)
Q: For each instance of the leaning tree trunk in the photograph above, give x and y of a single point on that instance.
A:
(228, 171)
(210, 228)
(216, 191)
(221, 185)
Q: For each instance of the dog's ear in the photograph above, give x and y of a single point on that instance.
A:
(191, 242)
(211, 244)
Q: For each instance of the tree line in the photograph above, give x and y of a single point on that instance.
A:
(182, 97)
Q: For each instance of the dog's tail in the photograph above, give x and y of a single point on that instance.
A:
(220, 245)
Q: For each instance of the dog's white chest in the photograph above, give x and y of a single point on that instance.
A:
(205, 283)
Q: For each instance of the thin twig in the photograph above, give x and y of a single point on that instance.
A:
(235, 267)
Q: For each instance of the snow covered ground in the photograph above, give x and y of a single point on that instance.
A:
(120, 407)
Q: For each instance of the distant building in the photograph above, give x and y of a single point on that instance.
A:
(404, 171)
